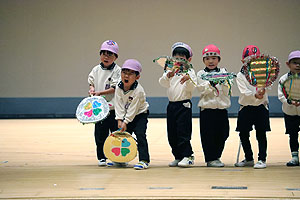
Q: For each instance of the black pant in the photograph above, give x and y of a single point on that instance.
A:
(214, 131)
(139, 127)
(292, 124)
(179, 127)
(102, 130)
(259, 117)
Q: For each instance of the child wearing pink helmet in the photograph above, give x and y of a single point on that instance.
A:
(213, 104)
(103, 80)
(253, 111)
(132, 109)
(179, 110)
(291, 109)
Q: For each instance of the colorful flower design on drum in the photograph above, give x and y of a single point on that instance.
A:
(121, 147)
(92, 108)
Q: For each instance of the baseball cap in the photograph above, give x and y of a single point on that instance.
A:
(294, 54)
(133, 65)
(110, 45)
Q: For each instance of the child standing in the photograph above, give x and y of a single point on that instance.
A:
(132, 109)
(214, 100)
(291, 109)
(103, 79)
(179, 110)
(253, 111)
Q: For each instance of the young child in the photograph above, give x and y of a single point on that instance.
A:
(291, 109)
(253, 111)
(214, 100)
(179, 110)
(132, 109)
(103, 79)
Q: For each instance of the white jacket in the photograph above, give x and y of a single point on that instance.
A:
(130, 103)
(175, 90)
(209, 98)
(103, 79)
(247, 93)
(288, 109)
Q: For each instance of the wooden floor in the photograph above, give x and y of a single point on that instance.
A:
(55, 159)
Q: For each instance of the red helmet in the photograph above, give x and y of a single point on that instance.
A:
(250, 50)
(211, 50)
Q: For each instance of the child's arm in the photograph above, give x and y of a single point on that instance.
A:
(244, 90)
(203, 86)
(165, 79)
(281, 96)
(190, 80)
(104, 92)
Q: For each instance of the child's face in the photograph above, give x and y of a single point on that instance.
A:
(211, 62)
(183, 57)
(128, 77)
(294, 65)
(107, 58)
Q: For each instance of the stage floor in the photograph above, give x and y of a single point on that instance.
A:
(55, 159)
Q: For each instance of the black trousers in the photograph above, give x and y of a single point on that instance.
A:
(102, 130)
(259, 117)
(292, 127)
(214, 131)
(179, 127)
(139, 126)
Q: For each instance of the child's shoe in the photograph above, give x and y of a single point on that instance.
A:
(116, 164)
(141, 165)
(294, 161)
(215, 163)
(260, 165)
(186, 162)
(174, 163)
(245, 163)
(101, 162)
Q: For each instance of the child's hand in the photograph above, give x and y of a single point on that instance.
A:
(92, 90)
(123, 127)
(260, 93)
(184, 79)
(170, 74)
(295, 103)
(96, 93)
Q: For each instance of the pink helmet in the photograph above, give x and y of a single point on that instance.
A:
(110, 45)
(211, 50)
(133, 65)
(250, 50)
(294, 54)
(181, 44)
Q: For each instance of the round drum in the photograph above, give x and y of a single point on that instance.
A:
(120, 147)
(92, 109)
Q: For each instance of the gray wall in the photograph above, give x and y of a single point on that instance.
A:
(48, 47)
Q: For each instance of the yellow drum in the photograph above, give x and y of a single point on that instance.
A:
(120, 147)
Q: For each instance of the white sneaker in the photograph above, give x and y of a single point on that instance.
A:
(215, 163)
(186, 162)
(101, 162)
(245, 163)
(174, 163)
(260, 165)
(141, 165)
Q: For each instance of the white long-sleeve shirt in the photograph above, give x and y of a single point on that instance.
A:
(175, 90)
(247, 93)
(105, 78)
(288, 109)
(130, 103)
(209, 98)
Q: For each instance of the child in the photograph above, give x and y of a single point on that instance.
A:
(103, 79)
(179, 110)
(291, 109)
(253, 111)
(132, 108)
(214, 100)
